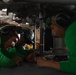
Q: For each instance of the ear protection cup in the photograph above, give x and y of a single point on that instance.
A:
(28, 35)
(62, 19)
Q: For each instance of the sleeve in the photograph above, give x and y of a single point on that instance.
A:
(0, 44)
(67, 66)
(23, 53)
(11, 53)
(8, 53)
(21, 50)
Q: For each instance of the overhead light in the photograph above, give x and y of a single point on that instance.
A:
(7, 1)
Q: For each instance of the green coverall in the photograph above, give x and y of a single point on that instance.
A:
(70, 40)
(6, 56)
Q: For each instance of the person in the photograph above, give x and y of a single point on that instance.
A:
(12, 40)
(63, 25)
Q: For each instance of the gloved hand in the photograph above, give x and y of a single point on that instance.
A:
(18, 60)
(31, 57)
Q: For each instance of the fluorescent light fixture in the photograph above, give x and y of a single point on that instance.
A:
(7, 1)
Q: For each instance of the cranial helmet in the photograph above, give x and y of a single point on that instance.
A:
(63, 17)
(9, 29)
